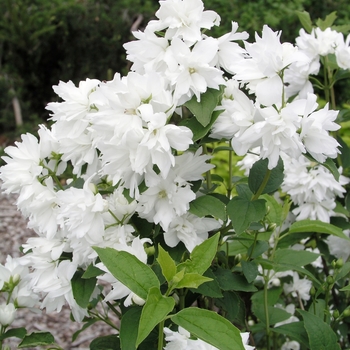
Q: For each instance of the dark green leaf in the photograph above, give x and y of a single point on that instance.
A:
(250, 270)
(92, 271)
(192, 280)
(14, 332)
(129, 328)
(37, 339)
(107, 342)
(259, 248)
(321, 335)
(275, 314)
(82, 288)
(294, 257)
(231, 303)
(295, 331)
(260, 170)
(229, 281)
(156, 308)
(208, 205)
(85, 326)
(129, 270)
(210, 327)
(210, 288)
(198, 130)
(345, 152)
(243, 212)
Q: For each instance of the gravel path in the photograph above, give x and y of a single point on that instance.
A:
(13, 233)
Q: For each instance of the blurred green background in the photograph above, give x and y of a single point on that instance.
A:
(44, 41)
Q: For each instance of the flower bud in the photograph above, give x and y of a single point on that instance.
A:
(335, 314)
(7, 314)
(137, 300)
(330, 280)
(339, 263)
(346, 313)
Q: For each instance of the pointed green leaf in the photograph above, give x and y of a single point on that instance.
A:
(260, 170)
(92, 271)
(204, 109)
(295, 331)
(166, 263)
(316, 226)
(208, 205)
(82, 288)
(305, 20)
(37, 339)
(274, 210)
(294, 257)
(107, 342)
(321, 335)
(210, 288)
(201, 256)
(129, 328)
(243, 212)
(275, 314)
(192, 280)
(14, 332)
(129, 270)
(84, 327)
(327, 22)
(198, 130)
(210, 327)
(230, 281)
(250, 270)
(156, 308)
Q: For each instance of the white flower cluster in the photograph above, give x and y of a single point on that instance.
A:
(125, 157)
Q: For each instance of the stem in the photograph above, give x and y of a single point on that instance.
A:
(161, 335)
(207, 174)
(263, 185)
(267, 319)
(230, 174)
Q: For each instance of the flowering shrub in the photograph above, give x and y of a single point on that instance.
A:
(124, 198)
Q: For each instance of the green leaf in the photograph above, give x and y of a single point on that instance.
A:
(294, 257)
(204, 109)
(192, 280)
(198, 130)
(14, 332)
(231, 303)
(321, 335)
(37, 339)
(229, 281)
(258, 172)
(166, 263)
(328, 164)
(250, 270)
(259, 248)
(201, 256)
(345, 289)
(107, 342)
(208, 205)
(156, 308)
(129, 270)
(345, 150)
(129, 328)
(295, 331)
(210, 288)
(92, 271)
(275, 314)
(274, 210)
(243, 212)
(210, 327)
(305, 20)
(316, 226)
(327, 22)
(85, 326)
(82, 288)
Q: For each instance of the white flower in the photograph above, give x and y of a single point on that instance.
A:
(291, 345)
(265, 59)
(7, 314)
(184, 19)
(164, 200)
(180, 340)
(342, 54)
(190, 71)
(189, 229)
(339, 247)
(299, 287)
